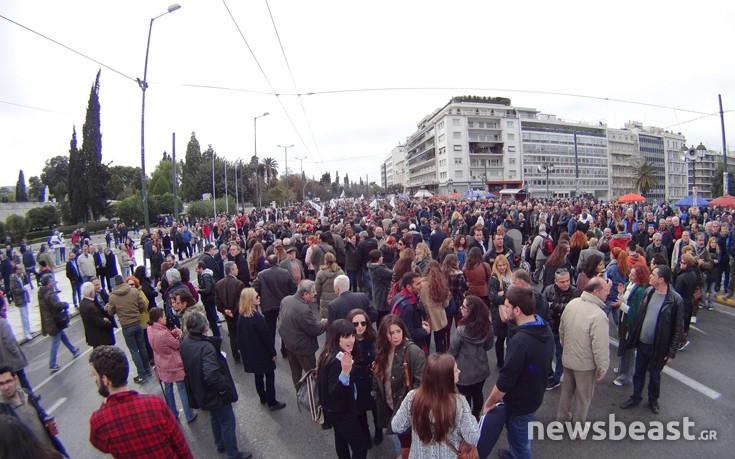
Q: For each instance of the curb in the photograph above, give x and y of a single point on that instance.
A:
(729, 302)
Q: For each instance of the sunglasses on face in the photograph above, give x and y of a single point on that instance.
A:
(360, 324)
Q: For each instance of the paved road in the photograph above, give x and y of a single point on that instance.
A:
(699, 384)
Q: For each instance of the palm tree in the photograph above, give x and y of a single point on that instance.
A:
(270, 166)
(645, 177)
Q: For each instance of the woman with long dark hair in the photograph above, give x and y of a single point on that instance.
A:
(439, 418)
(361, 371)
(559, 258)
(591, 267)
(472, 339)
(435, 296)
(460, 248)
(337, 390)
(399, 366)
(457, 284)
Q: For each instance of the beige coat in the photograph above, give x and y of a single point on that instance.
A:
(584, 334)
(436, 311)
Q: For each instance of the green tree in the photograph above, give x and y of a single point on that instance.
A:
(96, 172)
(326, 179)
(16, 227)
(21, 195)
(55, 172)
(123, 181)
(35, 188)
(193, 176)
(43, 217)
(163, 172)
(270, 168)
(3, 233)
(717, 179)
(275, 193)
(78, 200)
(645, 177)
(160, 186)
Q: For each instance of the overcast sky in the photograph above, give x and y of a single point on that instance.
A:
(673, 54)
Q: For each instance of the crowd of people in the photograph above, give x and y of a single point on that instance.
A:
(411, 296)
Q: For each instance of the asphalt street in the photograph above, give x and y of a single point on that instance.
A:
(699, 384)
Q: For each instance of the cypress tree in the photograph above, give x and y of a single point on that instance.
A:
(21, 195)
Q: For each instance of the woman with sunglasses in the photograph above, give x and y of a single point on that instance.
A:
(257, 348)
(472, 338)
(362, 374)
(337, 390)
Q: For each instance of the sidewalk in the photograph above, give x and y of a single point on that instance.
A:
(63, 284)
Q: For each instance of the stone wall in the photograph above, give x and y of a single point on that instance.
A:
(19, 208)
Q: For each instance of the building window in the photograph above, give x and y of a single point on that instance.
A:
(442, 150)
(457, 160)
(511, 148)
(442, 162)
(510, 124)
(511, 136)
(458, 174)
(442, 175)
(456, 135)
(458, 148)
(472, 124)
(455, 121)
(511, 160)
(441, 138)
(440, 125)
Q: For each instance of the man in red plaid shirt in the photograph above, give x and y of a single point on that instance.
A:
(129, 424)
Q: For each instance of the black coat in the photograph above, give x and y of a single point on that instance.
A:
(362, 375)
(212, 265)
(337, 399)
(209, 384)
(273, 284)
(669, 327)
(72, 272)
(97, 331)
(346, 302)
(256, 344)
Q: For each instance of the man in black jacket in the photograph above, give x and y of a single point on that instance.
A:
(98, 325)
(522, 380)
(72, 273)
(210, 263)
(273, 285)
(243, 271)
(557, 296)
(655, 336)
(209, 384)
(364, 247)
(206, 283)
(346, 301)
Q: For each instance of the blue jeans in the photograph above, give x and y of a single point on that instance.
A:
(367, 282)
(25, 320)
(559, 368)
(352, 275)
(76, 292)
(55, 341)
(516, 428)
(223, 429)
(136, 344)
(642, 362)
(168, 394)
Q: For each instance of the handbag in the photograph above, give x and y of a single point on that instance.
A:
(307, 396)
(61, 319)
(465, 451)
(697, 296)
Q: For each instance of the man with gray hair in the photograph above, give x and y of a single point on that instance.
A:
(299, 329)
(539, 250)
(98, 326)
(227, 299)
(273, 285)
(346, 301)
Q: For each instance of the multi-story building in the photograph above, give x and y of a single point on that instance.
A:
(704, 172)
(575, 154)
(392, 168)
(625, 158)
(464, 145)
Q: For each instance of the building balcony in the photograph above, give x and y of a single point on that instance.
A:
(477, 148)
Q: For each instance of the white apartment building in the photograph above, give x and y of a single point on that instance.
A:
(625, 158)
(467, 144)
(574, 153)
(392, 170)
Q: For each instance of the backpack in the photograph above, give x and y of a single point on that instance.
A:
(394, 289)
(547, 246)
(307, 396)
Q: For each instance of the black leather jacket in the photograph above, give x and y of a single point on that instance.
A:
(669, 327)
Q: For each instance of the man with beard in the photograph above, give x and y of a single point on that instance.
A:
(130, 424)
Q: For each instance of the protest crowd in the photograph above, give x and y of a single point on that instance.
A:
(438, 306)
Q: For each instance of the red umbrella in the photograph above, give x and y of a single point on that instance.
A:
(723, 201)
(632, 197)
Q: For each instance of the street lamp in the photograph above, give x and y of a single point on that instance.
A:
(143, 86)
(255, 141)
(285, 155)
(450, 182)
(301, 160)
(546, 168)
(692, 155)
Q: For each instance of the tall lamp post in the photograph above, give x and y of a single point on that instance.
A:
(546, 168)
(692, 155)
(303, 191)
(143, 86)
(255, 141)
(285, 170)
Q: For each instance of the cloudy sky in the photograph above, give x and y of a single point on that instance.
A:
(375, 70)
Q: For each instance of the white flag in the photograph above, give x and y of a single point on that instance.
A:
(374, 204)
(343, 194)
(393, 202)
(362, 196)
(316, 207)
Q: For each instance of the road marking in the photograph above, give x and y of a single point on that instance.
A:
(699, 330)
(53, 408)
(63, 369)
(684, 379)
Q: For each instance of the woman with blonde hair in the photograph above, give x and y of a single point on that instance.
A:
(257, 348)
(423, 257)
(446, 248)
(498, 286)
(435, 296)
(325, 283)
